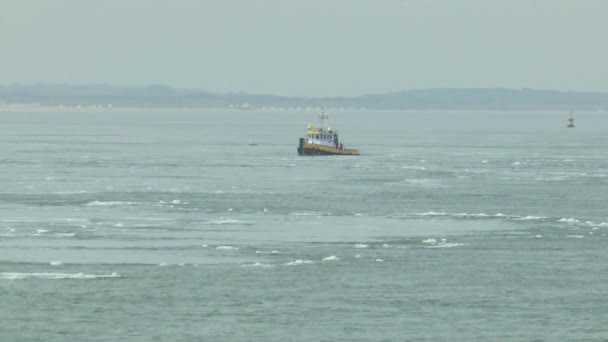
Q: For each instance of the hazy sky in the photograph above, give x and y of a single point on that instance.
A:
(307, 47)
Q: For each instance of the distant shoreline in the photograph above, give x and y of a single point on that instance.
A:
(35, 108)
(49, 97)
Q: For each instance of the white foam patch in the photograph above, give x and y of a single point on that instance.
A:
(538, 236)
(65, 234)
(530, 218)
(379, 260)
(226, 248)
(107, 203)
(413, 167)
(386, 245)
(430, 241)
(266, 252)
(360, 245)
(298, 262)
(479, 215)
(222, 220)
(257, 264)
(42, 231)
(424, 182)
(331, 258)
(446, 245)
(568, 220)
(56, 263)
(431, 213)
(44, 275)
(311, 213)
(576, 236)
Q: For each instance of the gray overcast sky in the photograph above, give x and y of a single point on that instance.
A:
(307, 47)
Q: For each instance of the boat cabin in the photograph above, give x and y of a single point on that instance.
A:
(322, 135)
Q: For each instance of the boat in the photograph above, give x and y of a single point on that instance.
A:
(571, 121)
(322, 140)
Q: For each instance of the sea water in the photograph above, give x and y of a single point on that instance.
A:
(206, 225)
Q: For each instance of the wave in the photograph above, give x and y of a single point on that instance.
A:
(55, 276)
(446, 245)
(442, 243)
(257, 264)
(331, 258)
(108, 203)
(413, 167)
(298, 262)
(530, 218)
(223, 220)
(360, 245)
(312, 213)
(226, 248)
(538, 218)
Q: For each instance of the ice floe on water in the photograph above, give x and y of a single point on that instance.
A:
(331, 258)
(298, 262)
(50, 275)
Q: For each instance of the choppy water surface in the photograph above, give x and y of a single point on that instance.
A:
(169, 226)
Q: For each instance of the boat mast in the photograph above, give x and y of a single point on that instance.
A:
(323, 117)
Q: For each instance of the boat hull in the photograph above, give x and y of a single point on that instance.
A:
(305, 149)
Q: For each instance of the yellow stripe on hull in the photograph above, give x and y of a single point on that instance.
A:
(312, 149)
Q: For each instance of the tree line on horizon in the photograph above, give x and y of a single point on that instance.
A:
(435, 98)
